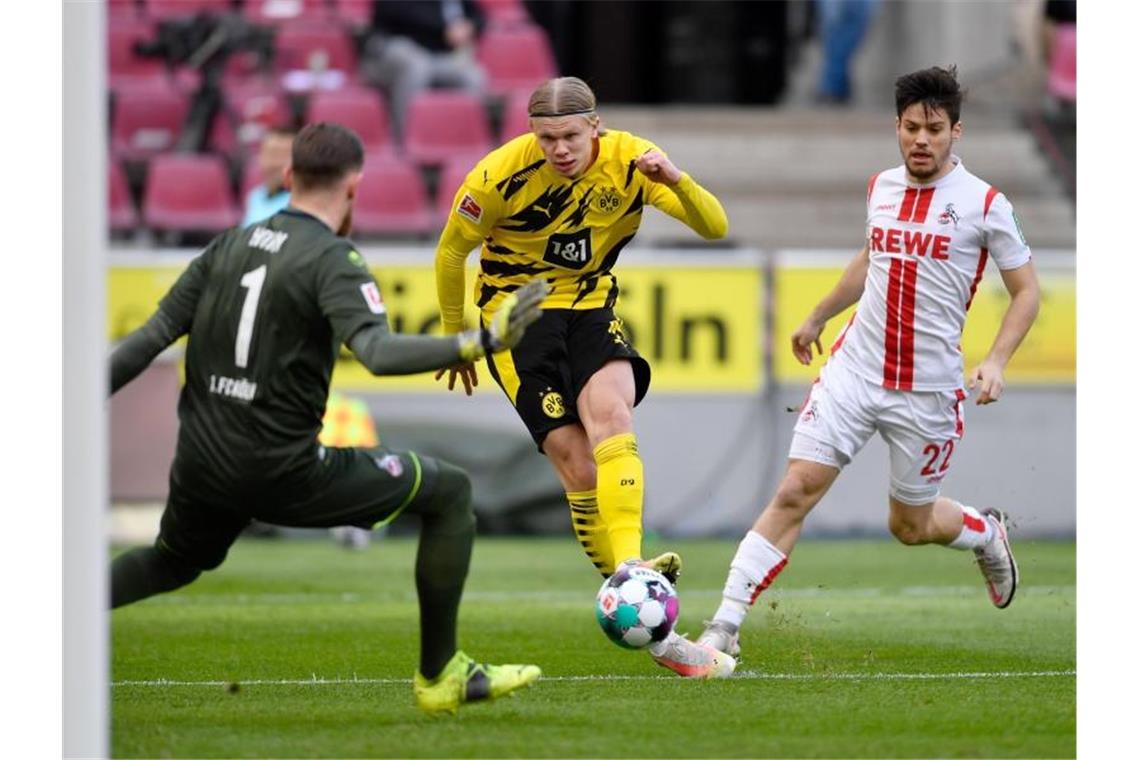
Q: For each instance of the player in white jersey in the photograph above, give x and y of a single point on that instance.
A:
(897, 366)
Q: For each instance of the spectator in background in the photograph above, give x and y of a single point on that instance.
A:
(419, 44)
(273, 158)
(842, 26)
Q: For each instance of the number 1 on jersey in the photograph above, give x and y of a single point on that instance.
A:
(252, 280)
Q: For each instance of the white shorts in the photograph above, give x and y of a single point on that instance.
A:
(921, 429)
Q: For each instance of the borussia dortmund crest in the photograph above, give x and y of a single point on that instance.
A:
(552, 404)
(608, 201)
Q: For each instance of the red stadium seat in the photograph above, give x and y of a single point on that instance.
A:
(188, 192)
(121, 214)
(255, 106)
(515, 58)
(391, 200)
(125, 68)
(361, 110)
(451, 176)
(243, 68)
(314, 56)
(121, 10)
(1062, 80)
(504, 12)
(516, 120)
(445, 124)
(354, 12)
(282, 11)
(258, 99)
(146, 121)
(166, 9)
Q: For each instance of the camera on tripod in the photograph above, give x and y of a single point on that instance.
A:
(205, 42)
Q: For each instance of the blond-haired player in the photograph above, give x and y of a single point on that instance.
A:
(560, 203)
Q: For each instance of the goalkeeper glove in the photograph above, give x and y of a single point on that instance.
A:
(519, 310)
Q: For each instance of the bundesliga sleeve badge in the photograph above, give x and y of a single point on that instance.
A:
(372, 297)
(469, 208)
(391, 463)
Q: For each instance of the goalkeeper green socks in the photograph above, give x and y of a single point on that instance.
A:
(146, 571)
(446, 535)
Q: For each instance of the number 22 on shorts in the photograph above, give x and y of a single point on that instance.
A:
(934, 451)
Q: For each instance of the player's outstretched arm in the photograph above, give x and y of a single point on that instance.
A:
(461, 234)
(386, 353)
(136, 351)
(684, 200)
(1025, 299)
(846, 292)
(450, 282)
(450, 274)
(170, 322)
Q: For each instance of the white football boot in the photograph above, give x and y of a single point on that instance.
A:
(690, 659)
(996, 561)
(721, 636)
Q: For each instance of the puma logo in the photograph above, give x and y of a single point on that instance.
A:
(543, 209)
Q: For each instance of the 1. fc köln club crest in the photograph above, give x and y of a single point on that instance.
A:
(948, 215)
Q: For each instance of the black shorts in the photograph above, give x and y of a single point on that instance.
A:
(365, 487)
(545, 372)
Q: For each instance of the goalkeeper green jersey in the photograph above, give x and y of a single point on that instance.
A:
(267, 309)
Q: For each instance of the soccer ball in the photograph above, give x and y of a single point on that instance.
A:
(636, 606)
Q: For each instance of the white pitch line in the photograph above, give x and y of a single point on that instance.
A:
(559, 597)
(747, 675)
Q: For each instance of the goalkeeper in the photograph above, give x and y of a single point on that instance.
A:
(266, 309)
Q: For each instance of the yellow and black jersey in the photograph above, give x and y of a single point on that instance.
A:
(534, 222)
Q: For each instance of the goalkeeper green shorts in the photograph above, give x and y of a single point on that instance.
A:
(364, 487)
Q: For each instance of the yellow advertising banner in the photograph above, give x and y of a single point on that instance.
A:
(699, 327)
(1047, 355)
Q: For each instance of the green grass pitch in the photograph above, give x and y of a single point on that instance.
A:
(862, 648)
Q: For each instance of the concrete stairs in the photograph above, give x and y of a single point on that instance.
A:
(796, 176)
